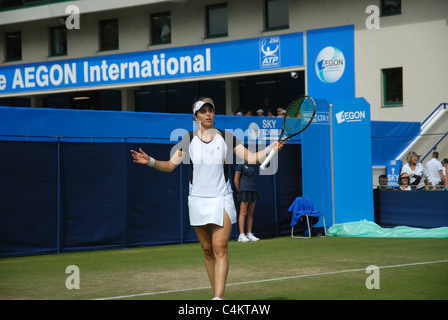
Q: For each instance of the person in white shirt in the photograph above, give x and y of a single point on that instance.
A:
(445, 173)
(414, 167)
(435, 170)
(210, 202)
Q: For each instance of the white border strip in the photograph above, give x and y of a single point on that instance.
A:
(270, 280)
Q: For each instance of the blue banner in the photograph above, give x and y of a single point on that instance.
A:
(110, 126)
(316, 162)
(352, 160)
(331, 63)
(272, 52)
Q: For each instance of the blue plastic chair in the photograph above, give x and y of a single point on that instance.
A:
(303, 206)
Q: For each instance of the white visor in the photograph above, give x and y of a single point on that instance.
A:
(199, 105)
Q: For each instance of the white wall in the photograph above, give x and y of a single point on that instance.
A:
(416, 40)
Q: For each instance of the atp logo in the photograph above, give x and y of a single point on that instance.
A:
(330, 64)
(270, 52)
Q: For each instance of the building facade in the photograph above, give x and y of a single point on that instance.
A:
(159, 56)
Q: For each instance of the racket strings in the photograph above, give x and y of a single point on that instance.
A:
(298, 115)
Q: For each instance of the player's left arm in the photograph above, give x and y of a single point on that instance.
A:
(254, 158)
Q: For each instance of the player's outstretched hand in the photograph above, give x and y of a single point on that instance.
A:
(140, 157)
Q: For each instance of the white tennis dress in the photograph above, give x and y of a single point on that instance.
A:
(210, 189)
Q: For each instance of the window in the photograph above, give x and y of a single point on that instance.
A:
(393, 87)
(10, 4)
(13, 46)
(179, 97)
(161, 28)
(109, 34)
(217, 20)
(28, 2)
(276, 14)
(390, 7)
(270, 91)
(18, 4)
(58, 41)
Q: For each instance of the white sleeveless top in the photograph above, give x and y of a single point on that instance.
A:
(210, 187)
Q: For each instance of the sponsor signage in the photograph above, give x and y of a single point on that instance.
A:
(249, 55)
(330, 63)
(352, 160)
(393, 169)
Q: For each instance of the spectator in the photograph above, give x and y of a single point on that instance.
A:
(382, 180)
(405, 184)
(445, 173)
(435, 170)
(260, 112)
(414, 167)
(281, 113)
(271, 113)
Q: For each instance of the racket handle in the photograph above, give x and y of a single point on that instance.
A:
(268, 159)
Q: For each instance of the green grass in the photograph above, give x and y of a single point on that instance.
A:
(124, 272)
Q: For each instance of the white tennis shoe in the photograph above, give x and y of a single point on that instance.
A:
(246, 238)
(251, 237)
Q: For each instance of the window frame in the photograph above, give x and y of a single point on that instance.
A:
(52, 42)
(385, 103)
(389, 13)
(30, 3)
(266, 18)
(102, 24)
(152, 33)
(207, 20)
(18, 58)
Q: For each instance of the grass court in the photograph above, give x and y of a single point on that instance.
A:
(270, 269)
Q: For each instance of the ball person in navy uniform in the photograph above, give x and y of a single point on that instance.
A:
(210, 202)
(246, 186)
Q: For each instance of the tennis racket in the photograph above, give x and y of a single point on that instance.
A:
(298, 117)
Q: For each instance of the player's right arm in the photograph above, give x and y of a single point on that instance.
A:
(166, 166)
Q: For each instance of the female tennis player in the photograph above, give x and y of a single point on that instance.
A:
(210, 202)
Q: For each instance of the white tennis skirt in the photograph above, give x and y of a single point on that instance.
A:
(206, 210)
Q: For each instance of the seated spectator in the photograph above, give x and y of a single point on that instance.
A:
(414, 168)
(281, 113)
(405, 184)
(382, 181)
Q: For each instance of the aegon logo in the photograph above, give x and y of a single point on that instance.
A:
(351, 116)
(330, 64)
